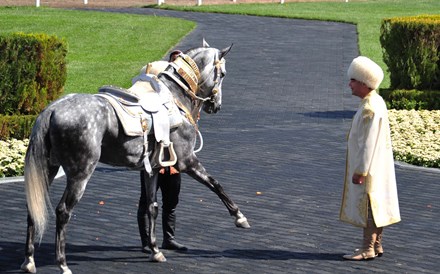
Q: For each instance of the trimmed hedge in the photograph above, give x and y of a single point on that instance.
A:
(411, 48)
(33, 72)
(16, 126)
(411, 99)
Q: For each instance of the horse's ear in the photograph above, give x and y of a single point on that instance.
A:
(205, 44)
(173, 55)
(225, 51)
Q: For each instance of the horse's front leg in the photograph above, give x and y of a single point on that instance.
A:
(199, 173)
(153, 209)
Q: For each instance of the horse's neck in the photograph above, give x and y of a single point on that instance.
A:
(183, 100)
(195, 112)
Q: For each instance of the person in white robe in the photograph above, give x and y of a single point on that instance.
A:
(370, 196)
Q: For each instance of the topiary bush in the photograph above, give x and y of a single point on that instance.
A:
(411, 99)
(33, 72)
(16, 126)
(411, 50)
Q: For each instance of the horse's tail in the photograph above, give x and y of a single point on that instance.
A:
(36, 174)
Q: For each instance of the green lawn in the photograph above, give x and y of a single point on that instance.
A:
(103, 48)
(367, 15)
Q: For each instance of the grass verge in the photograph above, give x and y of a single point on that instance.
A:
(103, 48)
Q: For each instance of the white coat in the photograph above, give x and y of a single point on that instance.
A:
(369, 153)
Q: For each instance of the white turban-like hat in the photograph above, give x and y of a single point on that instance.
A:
(366, 71)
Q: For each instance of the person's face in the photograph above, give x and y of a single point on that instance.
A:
(358, 89)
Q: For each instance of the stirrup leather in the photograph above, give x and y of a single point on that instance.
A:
(173, 157)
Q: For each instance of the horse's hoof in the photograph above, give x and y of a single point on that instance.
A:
(28, 266)
(65, 270)
(157, 258)
(241, 221)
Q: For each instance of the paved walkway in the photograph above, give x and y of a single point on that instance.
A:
(277, 147)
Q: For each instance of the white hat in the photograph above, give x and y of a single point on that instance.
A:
(366, 71)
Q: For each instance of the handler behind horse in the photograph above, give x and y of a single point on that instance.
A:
(169, 181)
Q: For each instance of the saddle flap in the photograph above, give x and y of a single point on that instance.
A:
(148, 97)
(151, 102)
(133, 119)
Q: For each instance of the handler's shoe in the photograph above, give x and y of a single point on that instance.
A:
(173, 245)
(360, 255)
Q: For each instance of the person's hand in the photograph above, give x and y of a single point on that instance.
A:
(358, 179)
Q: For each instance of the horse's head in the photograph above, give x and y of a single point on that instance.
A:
(212, 70)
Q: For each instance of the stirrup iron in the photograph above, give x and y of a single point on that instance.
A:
(173, 158)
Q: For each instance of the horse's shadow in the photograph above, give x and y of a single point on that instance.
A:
(12, 254)
(337, 114)
(264, 254)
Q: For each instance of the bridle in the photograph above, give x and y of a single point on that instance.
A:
(188, 70)
(219, 67)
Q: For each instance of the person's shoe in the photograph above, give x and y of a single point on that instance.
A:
(360, 255)
(369, 238)
(173, 245)
(378, 249)
(379, 252)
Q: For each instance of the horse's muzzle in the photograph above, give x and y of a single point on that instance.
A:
(211, 108)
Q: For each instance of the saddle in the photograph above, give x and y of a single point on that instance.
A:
(147, 108)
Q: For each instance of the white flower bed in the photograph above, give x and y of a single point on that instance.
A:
(12, 154)
(415, 136)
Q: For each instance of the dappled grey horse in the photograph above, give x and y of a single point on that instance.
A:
(80, 130)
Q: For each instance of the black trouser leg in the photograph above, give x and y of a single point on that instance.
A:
(169, 225)
(170, 188)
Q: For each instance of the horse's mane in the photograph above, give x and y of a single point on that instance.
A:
(203, 59)
(195, 50)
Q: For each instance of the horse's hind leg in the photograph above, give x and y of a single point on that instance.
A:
(199, 173)
(76, 185)
(150, 187)
(29, 263)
